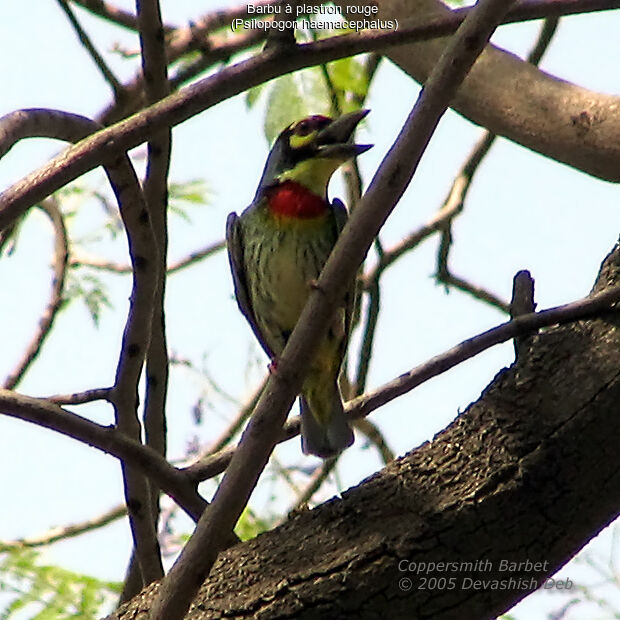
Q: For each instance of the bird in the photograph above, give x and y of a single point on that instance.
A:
(277, 248)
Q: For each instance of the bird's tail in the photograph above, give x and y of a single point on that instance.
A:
(325, 430)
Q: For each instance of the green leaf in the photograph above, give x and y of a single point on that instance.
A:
(51, 592)
(253, 94)
(349, 75)
(91, 290)
(294, 96)
(250, 525)
(189, 193)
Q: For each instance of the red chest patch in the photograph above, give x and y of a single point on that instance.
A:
(291, 199)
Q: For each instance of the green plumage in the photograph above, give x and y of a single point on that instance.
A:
(276, 253)
(276, 260)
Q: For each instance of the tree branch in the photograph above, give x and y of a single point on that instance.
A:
(179, 265)
(108, 76)
(527, 324)
(506, 482)
(174, 482)
(183, 580)
(462, 183)
(57, 534)
(46, 321)
(205, 93)
(143, 570)
(514, 99)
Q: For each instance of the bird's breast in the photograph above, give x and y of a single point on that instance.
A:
(282, 261)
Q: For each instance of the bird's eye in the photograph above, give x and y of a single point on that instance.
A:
(303, 128)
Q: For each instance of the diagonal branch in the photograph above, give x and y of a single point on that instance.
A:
(180, 586)
(526, 473)
(462, 183)
(110, 78)
(57, 534)
(113, 14)
(182, 263)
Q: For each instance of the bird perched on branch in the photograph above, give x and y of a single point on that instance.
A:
(277, 249)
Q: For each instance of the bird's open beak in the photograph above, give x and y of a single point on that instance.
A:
(334, 141)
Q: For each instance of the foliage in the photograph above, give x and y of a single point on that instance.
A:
(47, 592)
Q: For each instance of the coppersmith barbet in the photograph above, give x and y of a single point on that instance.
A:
(277, 248)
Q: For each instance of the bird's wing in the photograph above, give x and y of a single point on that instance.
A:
(234, 244)
(340, 218)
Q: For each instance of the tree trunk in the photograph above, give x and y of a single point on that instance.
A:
(465, 525)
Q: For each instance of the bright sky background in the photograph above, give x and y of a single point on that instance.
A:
(524, 211)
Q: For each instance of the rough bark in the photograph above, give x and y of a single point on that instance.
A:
(528, 472)
(515, 99)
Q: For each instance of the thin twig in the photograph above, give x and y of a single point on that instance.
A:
(174, 482)
(451, 207)
(376, 438)
(320, 475)
(237, 422)
(370, 326)
(66, 532)
(46, 321)
(80, 398)
(463, 181)
(113, 14)
(106, 72)
(217, 49)
(122, 269)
